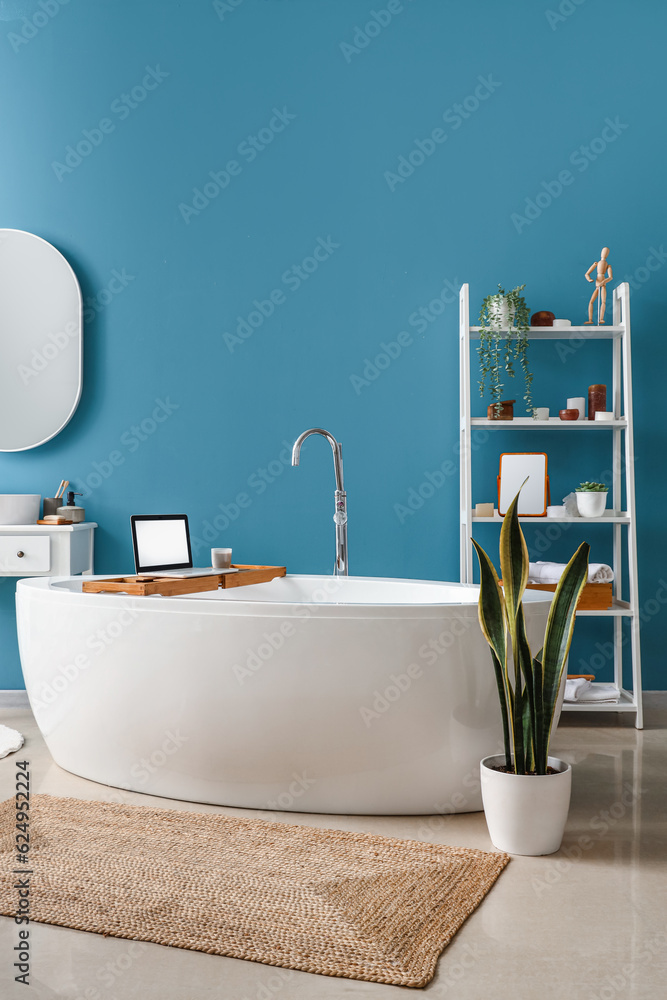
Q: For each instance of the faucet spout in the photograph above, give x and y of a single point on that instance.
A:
(336, 447)
(340, 496)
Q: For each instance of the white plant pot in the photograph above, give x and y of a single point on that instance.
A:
(526, 813)
(591, 504)
(499, 311)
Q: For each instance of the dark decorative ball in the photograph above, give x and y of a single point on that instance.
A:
(543, 318)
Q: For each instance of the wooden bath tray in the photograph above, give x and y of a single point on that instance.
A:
(251, 574)
(169, 586)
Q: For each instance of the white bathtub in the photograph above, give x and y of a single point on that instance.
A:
(309, 694)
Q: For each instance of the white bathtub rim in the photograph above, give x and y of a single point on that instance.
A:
(52, 589)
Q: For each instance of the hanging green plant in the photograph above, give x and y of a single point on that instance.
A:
(504, 322)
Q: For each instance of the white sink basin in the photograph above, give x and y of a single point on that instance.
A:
(19, 508)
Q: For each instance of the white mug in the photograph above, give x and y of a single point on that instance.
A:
(577, 403)
(221, 558)
(541, 412)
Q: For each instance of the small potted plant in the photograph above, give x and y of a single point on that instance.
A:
(526, 793)
(503, 339)
(591, 499)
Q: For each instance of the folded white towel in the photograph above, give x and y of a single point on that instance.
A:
(600, 573)
(574, 687)
(10, 740)
(599, 693)
(550, 572)
(581, 691)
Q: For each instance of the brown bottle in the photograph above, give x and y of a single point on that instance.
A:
(597, 399)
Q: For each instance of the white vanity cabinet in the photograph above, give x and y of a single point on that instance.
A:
(46, 550)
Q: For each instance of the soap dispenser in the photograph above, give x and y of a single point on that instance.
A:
(71, 511)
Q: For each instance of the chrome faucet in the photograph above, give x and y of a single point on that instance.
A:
(340, 496)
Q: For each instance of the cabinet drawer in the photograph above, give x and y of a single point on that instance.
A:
(23, 554)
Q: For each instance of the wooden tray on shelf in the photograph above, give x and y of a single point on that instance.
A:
(169, 586)
(594, 596)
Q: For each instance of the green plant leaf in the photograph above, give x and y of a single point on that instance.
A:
(504, 708)
(513, 562)
(491, 607)
(557, 640)
(523, 655)
(528, 743)
(541, 742)
(492, 616)
(521, 706)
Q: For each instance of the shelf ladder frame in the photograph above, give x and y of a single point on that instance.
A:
(622, 454)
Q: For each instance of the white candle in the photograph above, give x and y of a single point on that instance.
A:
(577, 403)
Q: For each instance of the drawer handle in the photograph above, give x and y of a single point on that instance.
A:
(20, 554)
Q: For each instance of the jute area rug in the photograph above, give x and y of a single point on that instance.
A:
(340, 904)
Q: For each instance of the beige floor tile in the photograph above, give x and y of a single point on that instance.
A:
(589, 923)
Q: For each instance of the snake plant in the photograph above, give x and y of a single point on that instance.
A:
(528, 685)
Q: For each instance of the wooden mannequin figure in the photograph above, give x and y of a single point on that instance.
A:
(603, 276)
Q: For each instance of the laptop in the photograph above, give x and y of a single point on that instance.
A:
(161, 545)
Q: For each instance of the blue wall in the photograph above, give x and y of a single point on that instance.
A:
(519, 91)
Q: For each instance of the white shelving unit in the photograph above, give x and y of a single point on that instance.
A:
(620, 521)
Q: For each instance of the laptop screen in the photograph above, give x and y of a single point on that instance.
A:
(161, 542)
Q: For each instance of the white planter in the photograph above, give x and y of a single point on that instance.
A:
(499, 310)
(526, 813)
(591, 504)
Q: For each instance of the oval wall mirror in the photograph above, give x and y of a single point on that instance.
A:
(41, 341)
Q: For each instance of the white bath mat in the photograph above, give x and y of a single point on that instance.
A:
(10, 740)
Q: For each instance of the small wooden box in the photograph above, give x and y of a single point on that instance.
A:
(594, 596)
